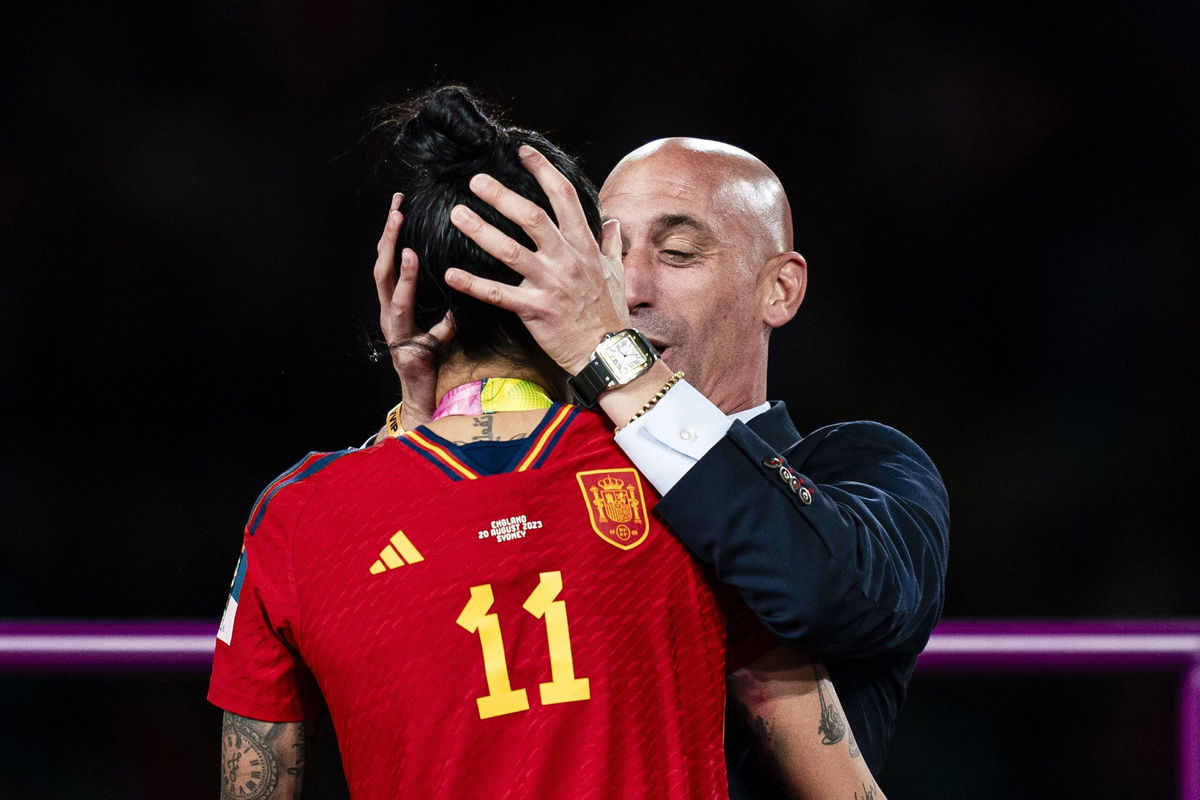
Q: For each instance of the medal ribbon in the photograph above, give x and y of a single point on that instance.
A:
(491, 395)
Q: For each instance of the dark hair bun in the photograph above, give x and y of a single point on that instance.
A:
(447, 134)
(433, 145)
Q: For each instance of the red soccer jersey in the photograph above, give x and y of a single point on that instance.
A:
(531, 633)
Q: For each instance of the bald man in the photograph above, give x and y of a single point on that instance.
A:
(836, 540)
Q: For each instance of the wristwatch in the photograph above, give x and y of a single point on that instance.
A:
(619, 358)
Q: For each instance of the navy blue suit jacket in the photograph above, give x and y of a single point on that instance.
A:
(855, 575)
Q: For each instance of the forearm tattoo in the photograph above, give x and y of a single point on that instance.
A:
(259, 758)
(853, 743)
(299, 755)
(832, 728)
(869, 792)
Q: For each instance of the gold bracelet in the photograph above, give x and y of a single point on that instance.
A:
(674, 379)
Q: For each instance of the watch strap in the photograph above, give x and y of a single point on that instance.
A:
(593, 379)
(590, 382)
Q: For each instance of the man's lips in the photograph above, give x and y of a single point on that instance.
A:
(661, 347)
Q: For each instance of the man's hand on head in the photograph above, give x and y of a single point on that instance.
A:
(414, 352)
(573, 291)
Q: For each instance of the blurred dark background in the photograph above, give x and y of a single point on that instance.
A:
(999, 207)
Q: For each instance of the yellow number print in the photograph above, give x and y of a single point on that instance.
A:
(501, 698)
(563, 686)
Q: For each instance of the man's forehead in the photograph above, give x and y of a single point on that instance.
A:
(644, 181)
(669, 199)
(694, 175)
(721, 184)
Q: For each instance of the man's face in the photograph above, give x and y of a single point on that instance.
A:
(692, 260)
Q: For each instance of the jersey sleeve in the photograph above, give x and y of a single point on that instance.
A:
(257, 671)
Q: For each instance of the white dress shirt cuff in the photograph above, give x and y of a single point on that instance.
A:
(668, 439)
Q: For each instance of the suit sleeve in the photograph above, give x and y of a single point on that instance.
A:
(858, 570)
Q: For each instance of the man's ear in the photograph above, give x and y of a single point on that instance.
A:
(784, 280)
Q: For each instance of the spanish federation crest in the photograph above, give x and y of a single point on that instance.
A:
(616, 505)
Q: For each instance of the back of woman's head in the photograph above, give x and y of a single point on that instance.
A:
(434, 145)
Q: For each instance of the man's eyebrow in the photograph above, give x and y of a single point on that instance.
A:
(666, 222)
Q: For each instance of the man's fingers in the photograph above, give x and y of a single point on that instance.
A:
(610, 239)
(563, 197)
(532, 218)
(489, 291)
(493, 241)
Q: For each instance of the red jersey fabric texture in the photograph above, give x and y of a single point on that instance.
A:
(532, 633)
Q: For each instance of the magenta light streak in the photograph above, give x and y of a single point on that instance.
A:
(75, 646)
(1054, 647)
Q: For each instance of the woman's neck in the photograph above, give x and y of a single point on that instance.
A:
(501, 426)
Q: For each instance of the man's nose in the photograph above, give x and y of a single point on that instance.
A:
(639, 279)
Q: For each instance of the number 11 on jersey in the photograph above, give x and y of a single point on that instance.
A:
(563, 686)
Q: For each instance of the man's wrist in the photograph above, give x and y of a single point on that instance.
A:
(653, 401)
(621, 403)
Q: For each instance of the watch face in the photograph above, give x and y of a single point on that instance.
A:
(623, 356)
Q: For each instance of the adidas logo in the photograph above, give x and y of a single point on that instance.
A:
(396, 554)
